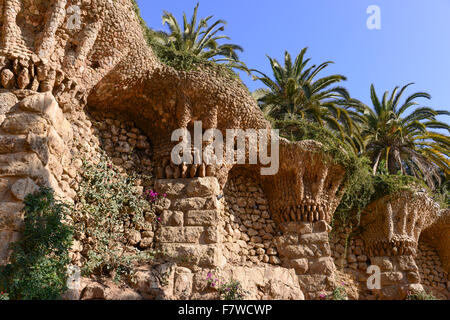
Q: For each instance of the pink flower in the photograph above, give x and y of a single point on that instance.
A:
(209, 276)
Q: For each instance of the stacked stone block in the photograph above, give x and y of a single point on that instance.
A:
(305, 247)
(190, 230)
(399, 275)
(33, 152)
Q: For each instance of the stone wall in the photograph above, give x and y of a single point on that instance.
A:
(250, 230)
(169, 281)
(124, 143)
(432, 273)
(68, 95)
(348, 252)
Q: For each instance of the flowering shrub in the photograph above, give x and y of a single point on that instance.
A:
(4, 296)
(109, 204)
(154, 199)
(153, 196)
(228, 291)
(339, 293)
(40, 258)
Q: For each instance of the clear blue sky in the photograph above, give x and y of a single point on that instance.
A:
(413, 44)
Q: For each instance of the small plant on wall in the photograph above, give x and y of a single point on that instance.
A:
(339, 293)
(109, 208)
(420, 296)
(40, 258)
(231, 290)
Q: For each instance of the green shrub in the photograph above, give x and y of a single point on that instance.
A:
(420, 296)
(339, 293)
(186, 61)
(39, 261)
(108, 204)
(390, 184)
(231, 291)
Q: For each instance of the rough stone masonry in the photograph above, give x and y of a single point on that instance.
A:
(69, 93)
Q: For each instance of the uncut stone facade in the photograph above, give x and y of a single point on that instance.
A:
(69, 94)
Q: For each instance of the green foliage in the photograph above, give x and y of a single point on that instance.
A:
(402, 136)
(4, 296)
(108, 206)
(442, 194)
(38, 268)
(390, 184)
(198, 37)
(295, 92)
(421, 296)
(227, 291)
(231, 291)
(339, 293)
(186, 60)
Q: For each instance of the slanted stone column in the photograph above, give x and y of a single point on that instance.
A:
(392, 226)
(33, 152)
(191, 231)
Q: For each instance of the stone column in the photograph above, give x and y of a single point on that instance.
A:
(303, 197)
(33, 152)
(191, 232)
(304, 246)
(392, 226)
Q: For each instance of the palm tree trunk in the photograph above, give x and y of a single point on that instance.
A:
(392, 168)
(375, 166)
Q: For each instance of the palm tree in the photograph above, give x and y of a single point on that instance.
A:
(403, 141)
(296, 93)
(199, 39)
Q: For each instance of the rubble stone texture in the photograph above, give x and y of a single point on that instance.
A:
(77, 78)
(393, 223)
(392, 227)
